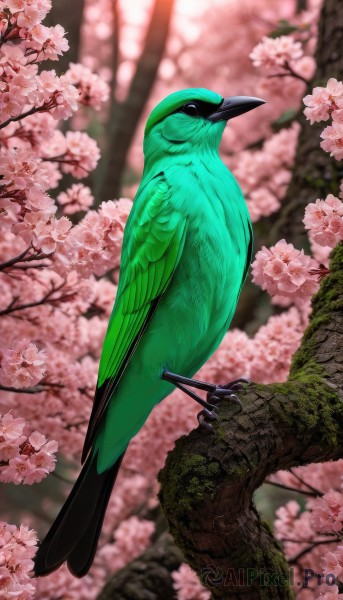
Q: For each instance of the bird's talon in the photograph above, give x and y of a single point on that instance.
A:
(202, 421)
(214, 400)
(236, 386)
(233, 398)
(240, 381)
(226, 391)
(202, 417)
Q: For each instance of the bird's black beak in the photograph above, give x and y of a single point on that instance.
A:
(235, 106)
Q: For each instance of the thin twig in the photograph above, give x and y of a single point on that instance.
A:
(302, 553)
(289, 488)
(310, 487)
(22, 116)
(37, 389)
(16, 259)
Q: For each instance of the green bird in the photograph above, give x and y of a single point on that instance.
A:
(186, 252)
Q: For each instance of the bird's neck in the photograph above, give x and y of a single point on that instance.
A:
(157, 161)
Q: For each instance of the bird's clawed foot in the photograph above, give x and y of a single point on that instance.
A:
(221, 392)
(228, 392)
(215, 393)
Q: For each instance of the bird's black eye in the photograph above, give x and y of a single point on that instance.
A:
(191, 109)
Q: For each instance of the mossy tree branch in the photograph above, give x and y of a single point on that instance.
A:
(208, 481)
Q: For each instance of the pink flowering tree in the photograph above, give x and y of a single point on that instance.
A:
(59, 260)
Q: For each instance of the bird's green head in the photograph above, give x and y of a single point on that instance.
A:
(191, 120)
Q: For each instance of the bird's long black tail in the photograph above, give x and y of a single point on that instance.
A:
(73, 537)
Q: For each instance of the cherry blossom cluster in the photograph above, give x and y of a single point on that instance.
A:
(293, 528)
(324, 220)
(285, 271)
(323, 104)
(29, 171)
(93, 91)
(131, 538)
(53, 309)
(18, 545)
(24, 459)
(77, 197)
(315, 534)
(283, 55)
(264, 174)
(94, 244)
(23, 365)
(331, 594)
(279, 51)
(25, 92)
(34, 153)
(187, 585)
(76, 153)
(264, 358)
(327, 512)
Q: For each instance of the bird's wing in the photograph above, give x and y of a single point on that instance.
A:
(152, 245)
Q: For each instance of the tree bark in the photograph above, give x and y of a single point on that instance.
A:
(315, 173)
(208, 481)
(148, 577)
(125, 115)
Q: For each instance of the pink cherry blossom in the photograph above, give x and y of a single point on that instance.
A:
(49, 42)
(332, 594)
(33, 13)
(327, 512)
(81, 156)
(333, 562)
(323, 101)
(10, 428)
(93, 246)
(324, 220)
(305, 67)
(17, 548)
(23, 365)
(320, 253)
(333, 140)
(77, 197)
(24, 460)
(93, 91)
(57, 95)
(271, 52)
(17, 470)
(21, 169)
(188, 586)
(262, 203)
(264, 174)
(283, 270)
(19, 81)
